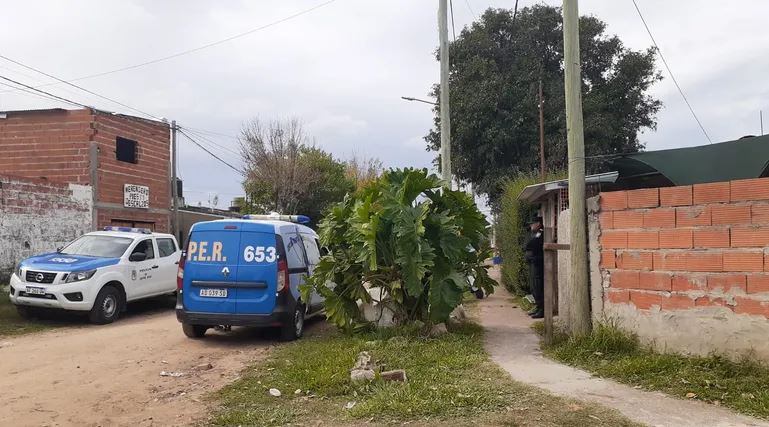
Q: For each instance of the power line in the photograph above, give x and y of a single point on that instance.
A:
(78, 87)
(210, 132)
(205, 46)
(215, 144)
(453, 30)
(44, 92)
(209, 152)
(672, 77)
(470, 8)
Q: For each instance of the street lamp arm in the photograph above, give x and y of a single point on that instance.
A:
(408, 98)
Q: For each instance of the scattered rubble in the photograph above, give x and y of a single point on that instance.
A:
(170, 374)
(394, 375)
(204, 367)
(363, 369)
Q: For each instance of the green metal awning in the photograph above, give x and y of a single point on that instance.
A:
(741, 159)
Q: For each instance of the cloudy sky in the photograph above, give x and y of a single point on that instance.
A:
(343, 67)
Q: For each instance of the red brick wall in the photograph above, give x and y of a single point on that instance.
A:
(152, 168)
(681, 248)
(46, 143)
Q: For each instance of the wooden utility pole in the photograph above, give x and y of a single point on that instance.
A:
(443, 36)
(579, 313)
(174, 186)
(542, 170)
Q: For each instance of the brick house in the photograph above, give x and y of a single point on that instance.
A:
(124, 159)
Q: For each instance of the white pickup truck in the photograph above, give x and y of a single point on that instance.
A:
(98, 273)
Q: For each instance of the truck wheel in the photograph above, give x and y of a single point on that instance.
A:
(194, 331)
(107, 306)
(295, 328)
(25, 312)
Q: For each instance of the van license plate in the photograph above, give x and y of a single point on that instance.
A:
(35, 291)
(216, 293)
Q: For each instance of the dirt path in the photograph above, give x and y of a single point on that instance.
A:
(515, 347)
(110, 375)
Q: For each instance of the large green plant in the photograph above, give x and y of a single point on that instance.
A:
(404, 233)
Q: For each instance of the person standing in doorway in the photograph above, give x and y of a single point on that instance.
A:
(535, 257)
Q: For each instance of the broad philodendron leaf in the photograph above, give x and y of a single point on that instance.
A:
(445, 295)
(413, 254)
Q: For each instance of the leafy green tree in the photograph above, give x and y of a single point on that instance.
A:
(496, 66)
(404, 234)
(330, 187)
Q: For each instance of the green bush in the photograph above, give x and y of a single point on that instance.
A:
(512, 231)
(405, 234)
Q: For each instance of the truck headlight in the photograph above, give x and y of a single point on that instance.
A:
(79, 276)
(17, 270)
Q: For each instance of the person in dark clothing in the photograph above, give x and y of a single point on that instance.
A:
(535, 257)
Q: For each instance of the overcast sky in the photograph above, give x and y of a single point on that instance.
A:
(343, 67)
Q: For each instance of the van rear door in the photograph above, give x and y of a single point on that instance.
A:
(257, 269)
(211, 268)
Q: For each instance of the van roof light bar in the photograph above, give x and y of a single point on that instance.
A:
(300, 219)
(128, 229)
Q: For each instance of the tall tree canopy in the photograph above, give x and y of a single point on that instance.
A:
(496, 65)
(284, 173)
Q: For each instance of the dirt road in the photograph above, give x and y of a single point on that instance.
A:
(110, 375)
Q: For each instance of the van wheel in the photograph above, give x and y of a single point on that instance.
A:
(294, 329)
(194, 331)
(107, 306)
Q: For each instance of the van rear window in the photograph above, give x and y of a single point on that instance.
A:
(294, 251)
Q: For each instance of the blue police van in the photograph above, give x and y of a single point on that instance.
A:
(247, 272)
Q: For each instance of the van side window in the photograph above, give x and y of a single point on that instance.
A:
(294, 251)
(311, 248)
(166, 247)
(146, 247)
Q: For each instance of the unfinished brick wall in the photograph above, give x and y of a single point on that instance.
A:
(51, 144)
(37, 216)
(691, 260)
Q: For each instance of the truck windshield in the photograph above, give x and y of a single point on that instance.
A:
(98, 246)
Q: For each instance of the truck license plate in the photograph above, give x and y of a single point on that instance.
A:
(216, 293)
(35, 291)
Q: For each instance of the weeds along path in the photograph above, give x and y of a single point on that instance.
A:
(514, 346)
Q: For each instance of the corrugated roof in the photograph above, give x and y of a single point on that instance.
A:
(534, 192)
(740, 159)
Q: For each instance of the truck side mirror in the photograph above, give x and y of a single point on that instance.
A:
(137, 257)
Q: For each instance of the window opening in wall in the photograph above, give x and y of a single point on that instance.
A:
(126, 150)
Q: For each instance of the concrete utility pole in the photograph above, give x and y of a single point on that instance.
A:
(174, 187)
(542, 170)
(443, 35)
(579, 314)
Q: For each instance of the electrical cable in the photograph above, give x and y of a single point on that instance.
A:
(467, 2)
(209, 152)
(672, 77)
(453, 30)
(44, 92)
(205, 46)
(215, 144)
(79, 87)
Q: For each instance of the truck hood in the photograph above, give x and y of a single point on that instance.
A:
(63, 262)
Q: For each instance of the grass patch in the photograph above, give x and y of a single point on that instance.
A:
(451, 381)
(522, 303)
(612, 353)
(12, 324)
